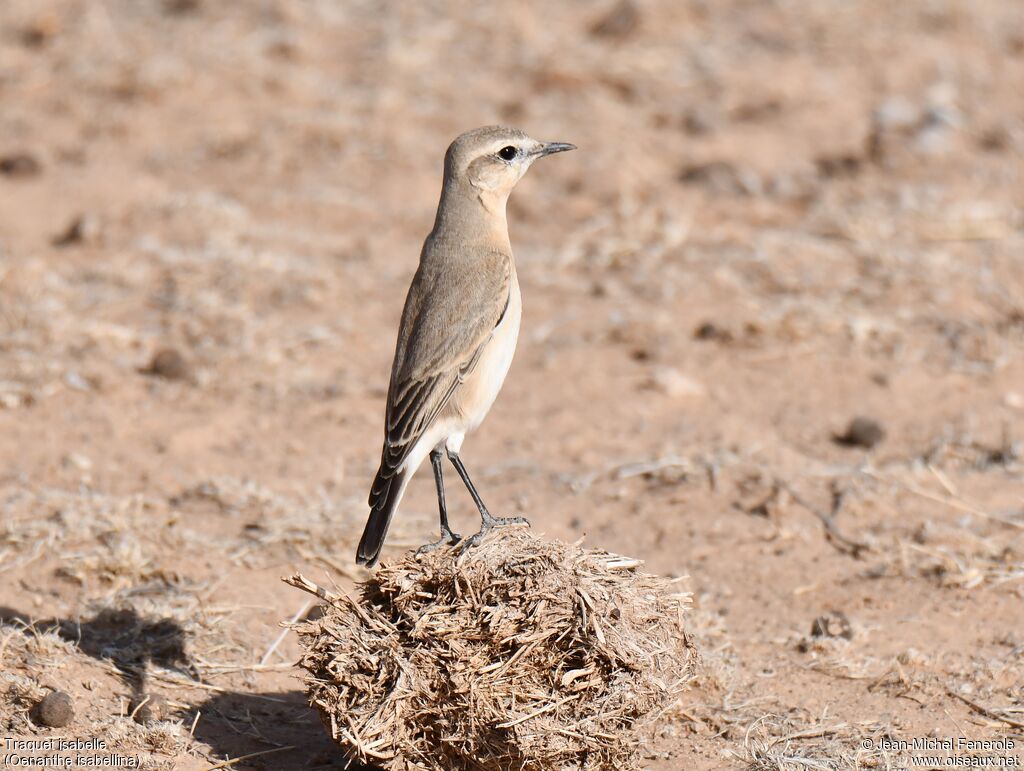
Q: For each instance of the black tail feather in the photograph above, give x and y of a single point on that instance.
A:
(385, 494)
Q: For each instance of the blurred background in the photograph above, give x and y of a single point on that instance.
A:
(772, 340)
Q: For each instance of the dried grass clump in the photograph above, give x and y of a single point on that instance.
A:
(520, 654)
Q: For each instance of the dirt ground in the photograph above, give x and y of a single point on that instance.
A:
(782, 215)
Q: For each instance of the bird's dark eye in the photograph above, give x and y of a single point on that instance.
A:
(507, 153)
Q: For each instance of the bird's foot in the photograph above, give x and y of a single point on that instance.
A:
(487, 524)
(448, 538)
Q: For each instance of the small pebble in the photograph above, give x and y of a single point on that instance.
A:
(168, 363)
(619, 23)
(711, 331)
(56, 710)
(83, 229)
(839, 166)
(861, 432)
(41, 30)
(674, 383)
(19, 166)
(181, 7)
(699, 120)
(995, 139)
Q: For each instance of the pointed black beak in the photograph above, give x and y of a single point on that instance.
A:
(555, 147)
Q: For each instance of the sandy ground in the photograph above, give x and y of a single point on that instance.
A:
(782, 215)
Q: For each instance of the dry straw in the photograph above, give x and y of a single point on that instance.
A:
(520, 654)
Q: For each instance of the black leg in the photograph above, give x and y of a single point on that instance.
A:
(447, 536)
(435, 462)
(486, 520)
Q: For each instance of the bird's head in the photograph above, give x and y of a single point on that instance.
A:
(492, 159)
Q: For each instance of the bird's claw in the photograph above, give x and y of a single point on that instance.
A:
(487, 524)
(448, 538)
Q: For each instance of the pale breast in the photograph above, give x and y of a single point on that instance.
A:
(475, 396)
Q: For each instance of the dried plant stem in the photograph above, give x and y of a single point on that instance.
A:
(284, 632)
(982, 710)
(299, 581)
(250, 756)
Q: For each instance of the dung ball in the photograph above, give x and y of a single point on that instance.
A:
(521, 653)
(55, 710)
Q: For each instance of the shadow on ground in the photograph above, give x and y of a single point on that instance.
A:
(235, 725)
(273, 731)
(121, 636)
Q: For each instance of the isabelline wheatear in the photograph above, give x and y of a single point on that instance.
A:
(459, 327)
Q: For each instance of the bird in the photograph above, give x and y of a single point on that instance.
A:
(458, 330)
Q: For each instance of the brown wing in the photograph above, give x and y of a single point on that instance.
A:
(450, 314)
